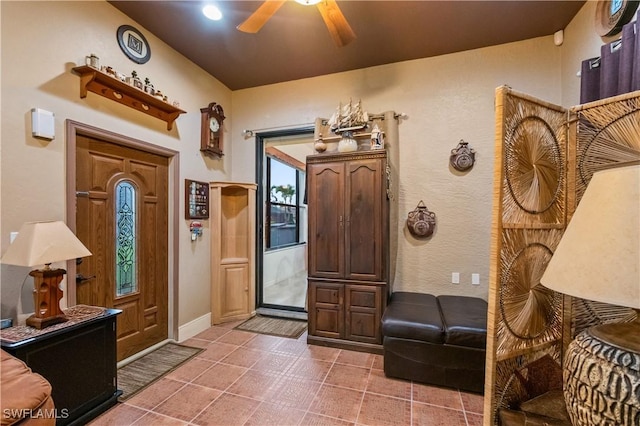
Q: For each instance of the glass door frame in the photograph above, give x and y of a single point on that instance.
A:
(261, 138)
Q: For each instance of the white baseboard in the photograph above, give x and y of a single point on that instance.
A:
(194, 327)
(143, 353)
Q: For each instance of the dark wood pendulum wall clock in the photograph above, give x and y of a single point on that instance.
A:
(211, 137)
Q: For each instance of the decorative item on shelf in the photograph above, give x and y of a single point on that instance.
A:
(462, 157)
(421, 222)
(345, 121)
(108, 70)
(148, 87)
(377, 138)
(134, 80)
(597, 259)
(43, 243)
(92, 61)
(158, 94)
(211, 130)
(319, 145)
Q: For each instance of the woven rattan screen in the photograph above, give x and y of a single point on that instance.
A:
(525, 318)
(545, 157)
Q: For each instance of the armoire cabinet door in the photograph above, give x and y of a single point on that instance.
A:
(364, 192)
(363, 304)
(325, 193)
(326, 301)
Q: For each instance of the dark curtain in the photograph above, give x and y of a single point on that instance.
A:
(616, 71)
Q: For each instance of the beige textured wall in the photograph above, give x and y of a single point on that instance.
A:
(41, 42)
(446, 99)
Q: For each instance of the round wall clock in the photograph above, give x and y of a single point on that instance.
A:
(133, 44)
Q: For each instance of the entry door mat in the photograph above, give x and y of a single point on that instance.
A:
(139, 374)
(283, 327)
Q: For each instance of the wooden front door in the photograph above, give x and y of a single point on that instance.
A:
(121, 216)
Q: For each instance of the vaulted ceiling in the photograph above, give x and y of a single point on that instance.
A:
(295, 43)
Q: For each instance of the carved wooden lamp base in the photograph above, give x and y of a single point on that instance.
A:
(602, 375)
(46, 298)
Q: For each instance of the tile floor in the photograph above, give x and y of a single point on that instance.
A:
(243, 378)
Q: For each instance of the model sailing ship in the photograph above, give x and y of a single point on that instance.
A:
(347, 119)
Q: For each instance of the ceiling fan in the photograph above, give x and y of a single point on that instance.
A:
(335, 21)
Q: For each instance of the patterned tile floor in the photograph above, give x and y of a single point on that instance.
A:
(243, 378)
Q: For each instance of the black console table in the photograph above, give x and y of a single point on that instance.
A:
(79, 361)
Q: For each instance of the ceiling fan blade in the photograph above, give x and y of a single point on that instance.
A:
(336, 23)
(260, 16)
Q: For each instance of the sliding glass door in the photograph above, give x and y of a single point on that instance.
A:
(282, 216)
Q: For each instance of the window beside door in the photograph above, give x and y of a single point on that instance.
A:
(284, 204)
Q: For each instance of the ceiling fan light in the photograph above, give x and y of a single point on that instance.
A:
(308, 2)
(212, 12)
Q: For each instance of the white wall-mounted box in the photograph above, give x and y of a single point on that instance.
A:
(43, 124)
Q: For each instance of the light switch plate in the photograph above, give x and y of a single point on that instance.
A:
(455, 278)
(475, 279)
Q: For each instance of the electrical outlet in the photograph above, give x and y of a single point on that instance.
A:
(455, 278)
(475, 279)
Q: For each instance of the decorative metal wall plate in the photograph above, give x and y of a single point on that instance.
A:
(421, 221)
(462, 157)
(133, 44)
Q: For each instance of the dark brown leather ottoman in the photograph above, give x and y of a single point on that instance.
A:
(436, 340)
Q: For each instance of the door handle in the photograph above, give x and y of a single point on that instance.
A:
(81, 278)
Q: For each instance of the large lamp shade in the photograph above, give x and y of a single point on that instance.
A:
(598, 258)
(41, 244)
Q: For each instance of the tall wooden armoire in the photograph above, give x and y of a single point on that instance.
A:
(348, 248)
(233, 230)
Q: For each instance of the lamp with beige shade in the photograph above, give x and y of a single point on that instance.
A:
(598, 258)
(43, 243)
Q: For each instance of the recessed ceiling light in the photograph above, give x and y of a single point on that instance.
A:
(212, 12)
(308, 2)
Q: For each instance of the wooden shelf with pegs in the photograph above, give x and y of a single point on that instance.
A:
(94, 80)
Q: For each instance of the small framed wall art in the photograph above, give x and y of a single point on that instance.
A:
(196, 196)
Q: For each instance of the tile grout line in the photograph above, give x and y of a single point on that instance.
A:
(364, 392)
(324, 379)
(223, 391)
